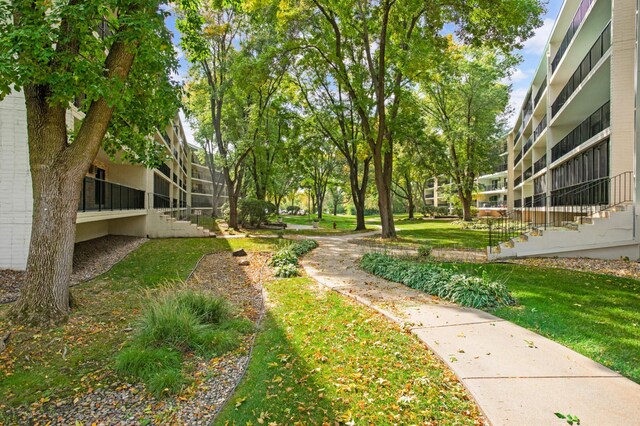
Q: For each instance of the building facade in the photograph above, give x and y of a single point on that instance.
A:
(117, 197)
(572, 152)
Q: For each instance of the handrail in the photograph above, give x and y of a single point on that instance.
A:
(100, 195)
(564, 206)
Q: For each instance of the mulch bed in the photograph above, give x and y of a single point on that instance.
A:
(120, 403)
(90, 259)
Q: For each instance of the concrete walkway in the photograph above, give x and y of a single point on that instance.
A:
(516, 376)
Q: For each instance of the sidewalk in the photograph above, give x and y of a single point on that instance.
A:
(517, 377)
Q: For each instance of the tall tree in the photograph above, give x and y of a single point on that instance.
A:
(465, 102)
(333, 114)
(319, 164)
(212, 33)
(374, 49)
(114, 55)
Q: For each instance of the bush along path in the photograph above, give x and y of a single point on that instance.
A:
(516, 376)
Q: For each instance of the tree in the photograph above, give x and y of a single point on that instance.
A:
(374, 49)
(52, 52)
(319, 163)
(332, 114)
(465, 102)
(210, 38)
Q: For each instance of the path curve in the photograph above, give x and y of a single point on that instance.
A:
(517, 377)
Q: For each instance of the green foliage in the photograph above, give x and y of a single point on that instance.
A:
(53, 45)
(424, 251)
(285, 260)
(255, 212)
(570, 418)
(476, 292)
(173, 323)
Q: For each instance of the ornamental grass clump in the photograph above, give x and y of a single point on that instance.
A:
(476, 292)
(285, 260)
(174, 323)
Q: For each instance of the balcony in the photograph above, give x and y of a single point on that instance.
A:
(541, 126)
(492, 205)
(540, 92)
(571, 31)
(517, 181)
(99, 195)
(600, 47)
(540, 164)
(528, 173)
(518, 158)
(197, 174)
(526, 146)
(591, 126)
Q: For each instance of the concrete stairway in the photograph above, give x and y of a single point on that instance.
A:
(161, 225)
(606, 234)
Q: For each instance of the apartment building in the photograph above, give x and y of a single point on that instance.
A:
(491, 197)
(207, 192)
(117, 198)
(572, 158)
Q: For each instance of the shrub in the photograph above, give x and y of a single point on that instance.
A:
(424, 251)
(476, 292)
(293, 209)
(285, 260)
(176, 322)
(255, 212)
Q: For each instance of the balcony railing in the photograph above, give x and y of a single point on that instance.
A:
(517, 181)
(571, 31)
(526, 146)
(492, 205)
(541, 126)
(540, 164)
(99, 195)
(528, 173)
(594, 124)
(540, 92)
(518, 157)
(600, 47)
(165, 170)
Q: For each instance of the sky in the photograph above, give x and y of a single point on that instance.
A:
(531, 55)
(520, 80)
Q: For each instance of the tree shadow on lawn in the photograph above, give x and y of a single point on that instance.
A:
(279, 386)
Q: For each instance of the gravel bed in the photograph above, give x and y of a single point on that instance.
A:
(120, 403)
(90, 259)
(618, 268)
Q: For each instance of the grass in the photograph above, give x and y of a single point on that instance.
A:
(440, 233)
(178, 321)
(593, 314)
(77, 356)
(321, 358)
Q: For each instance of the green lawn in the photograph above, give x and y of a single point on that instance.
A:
(596, 315)
(33, 369)
(324, 359)
(345, 224)
(440, 233)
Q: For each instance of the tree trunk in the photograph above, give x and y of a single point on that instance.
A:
(320, 203)
(383, 184)
(233, 210)
(465, 200)
(335, 209)
(45, 297)
(358, 193)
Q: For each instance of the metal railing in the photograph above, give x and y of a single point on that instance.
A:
(566, 207)
(571, 31)
(100, 195)
(540, 164)
(600, 47)
(540, 128)
(491, 205)
(177, 209)
(540, 91)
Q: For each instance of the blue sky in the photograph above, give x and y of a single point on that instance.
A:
(531, 54)
(521, 78)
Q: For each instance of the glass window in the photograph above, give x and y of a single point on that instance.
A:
(596, 123)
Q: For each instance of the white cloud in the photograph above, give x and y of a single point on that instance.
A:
(517, 76)
(536, 44)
